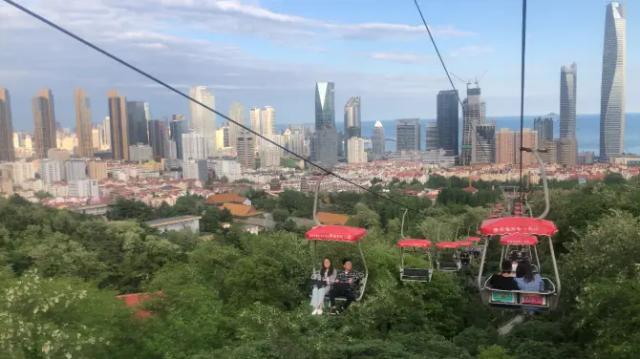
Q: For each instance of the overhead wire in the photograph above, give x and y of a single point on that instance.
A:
(182, 94)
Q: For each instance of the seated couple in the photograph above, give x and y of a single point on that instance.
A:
(340, 284)
(523, 279)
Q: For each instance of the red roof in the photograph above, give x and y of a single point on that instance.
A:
(415, 243)
(447, 245)
(527, 225)
(335, 233)
(519, 239)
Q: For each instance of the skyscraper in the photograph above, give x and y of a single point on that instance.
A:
(356, 152)
(138, 117)
(484, 143)
(44, 123)
(6, 127)
(474, 113)
(408, 135)
(119, 127)
(158, 138)
(447, 119)
(433, 141)
(83, 124)
(236, 113)
(612, 109)
(178, 126)
(544, 127)
(245, 147)
(505, 147)
(378, 141)
(325, 140)
(194, 146)
(530, 140)
(352, 119)
(203, 121)
(567, 145)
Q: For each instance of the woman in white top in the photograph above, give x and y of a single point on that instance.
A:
(322, 285)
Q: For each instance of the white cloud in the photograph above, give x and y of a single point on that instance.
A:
(401, 57)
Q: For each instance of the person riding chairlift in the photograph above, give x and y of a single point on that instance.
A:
(528, 280)
(322, 285)
(345, 286)
(505, 279)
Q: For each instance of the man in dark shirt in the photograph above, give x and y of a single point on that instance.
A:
(345, 286)
(504, 280)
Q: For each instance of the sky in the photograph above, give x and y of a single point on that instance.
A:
(271, 52)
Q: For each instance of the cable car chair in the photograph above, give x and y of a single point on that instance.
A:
(524, 232)
(413, 274)
(337, 233)
(451, 248)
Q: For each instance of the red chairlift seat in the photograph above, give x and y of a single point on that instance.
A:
(449, 250)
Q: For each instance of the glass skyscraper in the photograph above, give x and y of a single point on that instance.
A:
(325, 140)
(408, 134)
(138, 122)
(612, 109)
(6, 127)
(447, 120)
(474, 113)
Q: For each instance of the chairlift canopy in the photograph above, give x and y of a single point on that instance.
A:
(335, 233)
(518, 239)
(473, 239)
(526, 225)
(447, 245)
(464, 243)
(414, 243)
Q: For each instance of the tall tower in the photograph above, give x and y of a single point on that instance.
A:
(447, 119)
(119, 127)
(408, 135)
(377, 142)
(432, 139)
(138, 117)
(44, 122)
(178, 126)
(567, 146)
(325, 141)
(474, 114)
(544, 127)
(6, 127)
(236, 113)
(83, 123)
(203, 121)
(612, 109)
(352, 120)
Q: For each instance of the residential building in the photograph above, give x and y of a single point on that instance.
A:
(84, 188)
(246, 149)
(194, 146)
(7, 151)
(140, 153)
(119, 127)
(505, 147)
(229, 169)
(433, 141)
(356, 153)
(52, 171)
(195, 169)
(44, 123)
(237, 114)
(75, 169)
(203, 121)
(84, 125)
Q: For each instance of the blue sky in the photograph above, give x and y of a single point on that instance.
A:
(270, 52)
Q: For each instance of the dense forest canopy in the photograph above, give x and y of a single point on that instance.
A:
(246, 296)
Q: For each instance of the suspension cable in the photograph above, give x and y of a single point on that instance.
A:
(182, 94)
(522, 78)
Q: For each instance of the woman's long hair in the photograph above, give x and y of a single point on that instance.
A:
(329, 271)
(525, 271)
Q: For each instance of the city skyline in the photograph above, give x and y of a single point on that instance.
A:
(457, 36)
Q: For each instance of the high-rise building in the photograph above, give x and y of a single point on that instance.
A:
(356, 153)
(98, 170)
(544, 127)
(568, 83)
(484, 143)
(158, 138)
(530, 140)
(447, 121)
(325, 140)
(83, 124)
(203, 121)
(408, 134)
(245, 147)
(104, 132)
(474, 113)
(352, 120)
(378, 141)
(194, 146)
(51, 171)
(567, 150)
(75, 169)
(256, 122)
(433, 141)
(294, 139)
(178, 126)
(138, 117)
(195, 169)
(119, 127)
(229, 169)
(236, 113)
(505, 147)
(7, 152)
(84, 188)
(612, 102)
(140, 153)
(44, 123)
(267, 121)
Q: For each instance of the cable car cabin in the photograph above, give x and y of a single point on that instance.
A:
(341, 234)
(520, 235)
(448, 256)
(414, 273)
